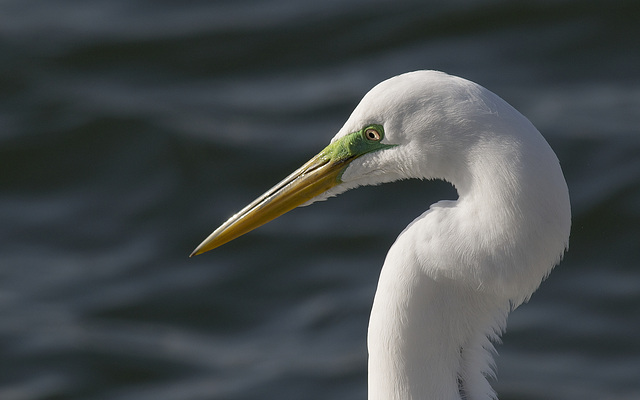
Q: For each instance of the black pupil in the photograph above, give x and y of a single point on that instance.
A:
(372, 134)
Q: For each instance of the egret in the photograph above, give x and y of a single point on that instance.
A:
(453, 275)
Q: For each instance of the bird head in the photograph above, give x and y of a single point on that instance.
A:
(424, 119)
(409, 126)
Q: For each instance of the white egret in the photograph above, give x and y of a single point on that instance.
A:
(453, 275)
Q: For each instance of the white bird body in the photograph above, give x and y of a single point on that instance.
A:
(453, 275)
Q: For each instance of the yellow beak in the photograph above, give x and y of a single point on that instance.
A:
(318, 175)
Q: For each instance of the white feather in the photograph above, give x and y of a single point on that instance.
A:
(456, 271)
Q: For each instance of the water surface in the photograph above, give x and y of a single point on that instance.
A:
(131, 129)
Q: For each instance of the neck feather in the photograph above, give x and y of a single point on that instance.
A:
(429, 339)
(453, 275)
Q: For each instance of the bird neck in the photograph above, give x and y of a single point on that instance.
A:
(451, 278)
(430, 339)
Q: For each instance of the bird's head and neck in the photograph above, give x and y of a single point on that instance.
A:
(456, 271)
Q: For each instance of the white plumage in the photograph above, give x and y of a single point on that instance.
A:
(453, 275)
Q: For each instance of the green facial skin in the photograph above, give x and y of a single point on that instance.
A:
(354, 145)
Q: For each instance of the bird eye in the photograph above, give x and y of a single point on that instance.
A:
(372, 134)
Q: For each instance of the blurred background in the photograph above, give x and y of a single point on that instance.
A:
(130, 129)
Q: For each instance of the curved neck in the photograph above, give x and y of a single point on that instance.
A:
(453, 275)
(429, 339)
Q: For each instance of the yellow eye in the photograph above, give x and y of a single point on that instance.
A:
(372, 134)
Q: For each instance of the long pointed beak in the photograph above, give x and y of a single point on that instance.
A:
(318, 175)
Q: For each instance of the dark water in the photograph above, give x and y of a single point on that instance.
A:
(130, 129)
